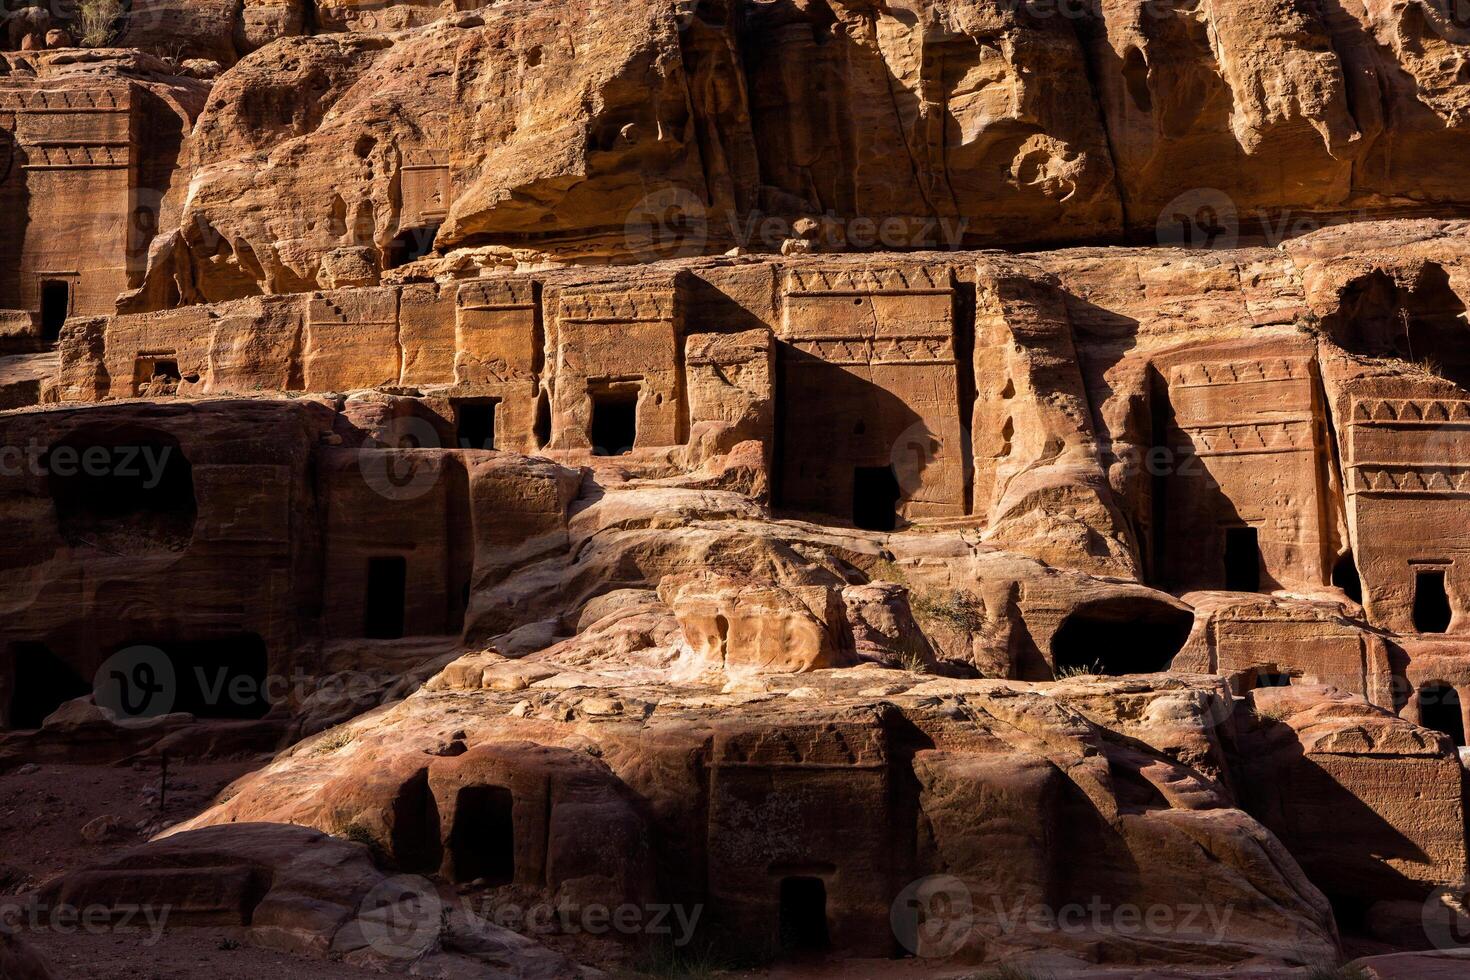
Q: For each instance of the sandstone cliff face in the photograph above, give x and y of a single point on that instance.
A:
(627, 131)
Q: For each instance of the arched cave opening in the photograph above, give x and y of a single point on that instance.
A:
(1135, 77)
(1439, 709)
(41, 683)
(409, 245)
(1126, 635)
(123, 489)
(803, 915)
(482, 844)
(1423, 322)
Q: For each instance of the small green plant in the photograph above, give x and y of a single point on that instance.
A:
(98, 21)
(887, 571)
(1271, 710)
(360, 834)
(1309, 323)
(914, 663)
(1094, 669)
(952, 609)
(337, 738)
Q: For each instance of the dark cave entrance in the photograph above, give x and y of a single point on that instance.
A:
(483, 843)
(410, 245)
(875, 497)
(224, 678)
(387, 595)
(803, 915)
(42, 682)
(1432, 613)
(1423, 321)
(1242, 559)
(541, 428)
(474, 423)
(1345, 576)
(1439, 709)
(614, 421)
(55, 308)
(1120, 636)
(123, 489)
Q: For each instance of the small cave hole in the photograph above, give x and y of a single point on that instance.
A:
(541, 428)
(1120, 636)
(410, 245)
(1439, 709)
(1135, 75)
(1345, 576)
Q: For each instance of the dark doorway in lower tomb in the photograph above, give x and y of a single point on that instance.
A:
(803, 923)
(875, 497)
(474, 423)
(387, 585)
(614, 422)
(55, 308)
(1242, 559)
(483, 843)
(1432, 613)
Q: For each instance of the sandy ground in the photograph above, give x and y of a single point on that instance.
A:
(44, 809)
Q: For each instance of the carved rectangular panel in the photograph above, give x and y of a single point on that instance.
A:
(427, 187)
(352, 340)
(496, 333)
